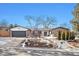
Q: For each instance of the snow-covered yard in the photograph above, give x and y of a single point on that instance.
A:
(9, 47)
(19, 51)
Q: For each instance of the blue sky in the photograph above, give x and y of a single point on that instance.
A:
(15, 13)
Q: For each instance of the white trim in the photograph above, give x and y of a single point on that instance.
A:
(18, 29)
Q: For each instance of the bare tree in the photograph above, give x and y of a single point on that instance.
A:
(65, 25)
(30, 20)
(39, 22)
(49, 22)
(44, 22)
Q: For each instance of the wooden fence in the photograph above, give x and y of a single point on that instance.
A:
(4, 33)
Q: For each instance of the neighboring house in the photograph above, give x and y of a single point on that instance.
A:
(4, 28)
(4, 31)
(18, 32)
(61, 29)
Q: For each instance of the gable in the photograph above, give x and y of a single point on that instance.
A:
(18, 29)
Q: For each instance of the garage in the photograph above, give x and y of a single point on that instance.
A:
(18, 32)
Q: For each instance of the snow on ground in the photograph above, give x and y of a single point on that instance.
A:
(10, 48)
(19, 51)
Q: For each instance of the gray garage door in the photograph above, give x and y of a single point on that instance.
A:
(18, 33)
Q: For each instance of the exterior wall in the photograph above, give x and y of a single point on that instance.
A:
(33, 33)
(43, 31)
(29, 33)
(36, 33)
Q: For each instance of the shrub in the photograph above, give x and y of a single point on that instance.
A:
(59, 35)
(67, 35)
(63, 36)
